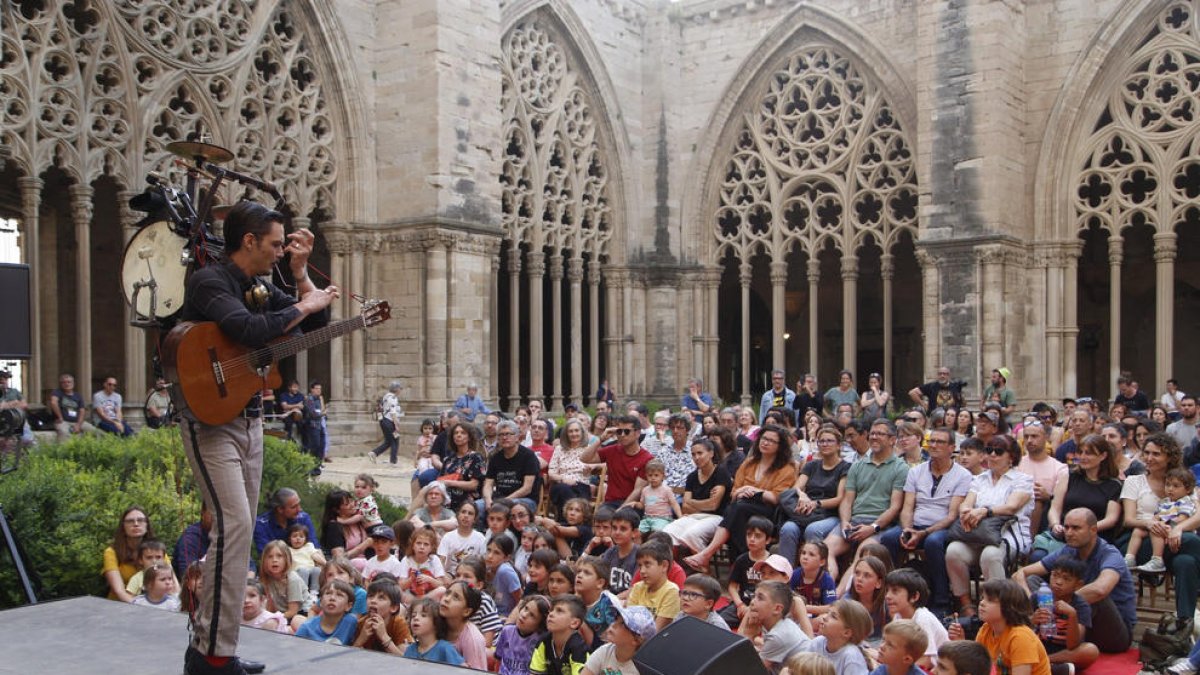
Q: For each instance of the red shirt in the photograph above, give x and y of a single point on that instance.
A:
(675, 575)
(623, 470)
(545, 451)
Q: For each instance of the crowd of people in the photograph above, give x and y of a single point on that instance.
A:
(836, 538)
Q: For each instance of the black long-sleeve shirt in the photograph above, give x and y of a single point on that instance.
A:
(217, 293)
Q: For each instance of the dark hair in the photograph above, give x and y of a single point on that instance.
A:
(433, 610)
(247, 217)
(783, 456)
(762, 524)
(779, 593)
(505, 544)
(474, 443)
(427, 422)
(333, 504)
(655, 551)
(498, 508)
(728, 442)
(547, 558)
(153, 545)
(1070, 565)
(880, 568)
(404, 530)
(388, 588)
(1009, 446)
(124, 547)
(628, 515)
(471, 594)
(565, 570)
(1184, 476)
(710, 587)
(297, 527)
(604, 514)
(1013, 600)
(968, 656)
(662, 538)
(341, 586)
(573, 603)
(477, 566)
(1169, 446)
(625, 419)
(911, 581)
(1109, 468)
(971, 443)
(601, 568)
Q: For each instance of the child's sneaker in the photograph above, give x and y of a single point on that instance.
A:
(1154, 566)
(1130, 561)
(1182, 667)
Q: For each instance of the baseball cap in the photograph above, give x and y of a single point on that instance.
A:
(5, 373)
(639, 621)
(775, 562)
(990, 416)
(382, 532)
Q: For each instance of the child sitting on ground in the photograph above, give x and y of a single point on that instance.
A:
(503, 582)
(808, 663)
(383, 628)
(1177, 505)
(463, 541)
(811, 581)
(429, 632)
(655, 499)
(963, 657)
(473, 571)
(1004, 610)
(904, 643)
(307, 559)
(497, 523)
(622, 556)
(254, 610)
(781, 636)
(158, 588)
(675, 575)
(868, 589)
(538, 573)
(341, 568)
(286, 593)
(632, 628)
(905, 594)
(149, 552)
(742, 576)
(383, 538)
(776, 568)
(842, 630)
(563, 649)
(572, 538)
(336, 624)
(421, 572)
(654, 591)
(1072, 619)
(601, 532)
(514, 647)
(697, 598)
(591, 584)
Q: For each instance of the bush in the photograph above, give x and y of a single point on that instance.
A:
(64, 501)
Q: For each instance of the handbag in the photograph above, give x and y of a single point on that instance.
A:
(987, 532)
(1171, 639)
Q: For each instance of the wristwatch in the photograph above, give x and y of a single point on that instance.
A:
(875, 527)
(989, 512)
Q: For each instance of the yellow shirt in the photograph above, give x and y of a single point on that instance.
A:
(1017, 646)
(663, 602)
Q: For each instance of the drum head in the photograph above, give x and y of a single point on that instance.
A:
(12, 422)
(154, 255)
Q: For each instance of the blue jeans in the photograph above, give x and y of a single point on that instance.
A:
(934, 546)
(789, 536)
(112, 428)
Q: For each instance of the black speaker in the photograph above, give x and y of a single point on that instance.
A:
(692, 647)
(14, 311)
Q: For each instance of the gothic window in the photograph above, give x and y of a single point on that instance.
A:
(1140, 163)
(555, 173)
(819, 157)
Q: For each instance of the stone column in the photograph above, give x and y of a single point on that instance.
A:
(135, 338)
(850, 312)
(437, 304)
(745, 276)
(31, 201)
(338, 240)
(699, 340)
(887, 269)
(1115, 256)
(494, 330)
(930, 312)
(575, 329)
(1164, 311)
(712, 284)
(779, 270)
(1072, 252)
(514, 327)
(1048, 260)
(81, 213)
(991, 331)
(301, 358)
(593, 277)
(535, 269)
(627, 293)
(814, 334)
(556, 332)
(358, 339)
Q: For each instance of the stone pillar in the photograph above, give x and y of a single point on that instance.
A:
(1115, 256)
(930, 312)
(712, 284)
(1073, 252)
(135, 338)
(699, 340)
(493, 329)
(358, 339)
(593, 269)
(745, 276)
(338, 241)
(1049, 263)
(627, 293)
(535, 269)
(31, 201)
(575, 328)
(991, 331)
(1164, 311)
(814, 335)
(302, 358)
(887, 268)
(556, 332)
(514, 327)
(437, 303)
(850, 312)
(81, 213)
(779, 271)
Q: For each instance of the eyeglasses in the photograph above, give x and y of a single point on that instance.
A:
(136, 521)
(879, 434)
(939, 441)
(995, 451)
(690, 595)
(914, 418)
(507, 433)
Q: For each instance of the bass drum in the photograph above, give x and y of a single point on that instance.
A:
(153, 273)
(12, 422)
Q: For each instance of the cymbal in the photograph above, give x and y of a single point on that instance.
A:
(194, 149)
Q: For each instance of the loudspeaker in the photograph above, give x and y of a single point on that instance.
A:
(14, 311)
(694, 647)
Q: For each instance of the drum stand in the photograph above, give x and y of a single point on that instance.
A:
(17, 552)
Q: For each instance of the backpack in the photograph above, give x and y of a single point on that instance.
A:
(1170, 640)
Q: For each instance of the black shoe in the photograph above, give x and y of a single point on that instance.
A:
(252, 667)
(194, 663)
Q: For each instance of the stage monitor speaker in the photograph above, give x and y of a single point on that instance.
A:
(692, 647)
(14, 311)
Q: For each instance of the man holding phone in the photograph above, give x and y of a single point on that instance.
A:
(618, 448)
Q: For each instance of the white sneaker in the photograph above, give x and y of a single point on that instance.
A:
(1154, 566)
(1130, 561)
(1182, 667)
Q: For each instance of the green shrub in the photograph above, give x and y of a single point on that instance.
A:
(64, 501)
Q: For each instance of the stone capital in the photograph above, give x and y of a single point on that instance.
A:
(593, 272)
(338, 242)
(813, 270)
(745, 273)
(555, 268)
(535, 264)
(779, 273)
(1116, 250)
(849, 267)
(574, 270)
(514, 260)
(887, 266)
(31, 191)
(81, 203)
(1164, 247)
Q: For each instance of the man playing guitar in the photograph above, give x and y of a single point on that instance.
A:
(227, 459)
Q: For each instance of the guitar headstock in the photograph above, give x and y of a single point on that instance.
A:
(376, 312)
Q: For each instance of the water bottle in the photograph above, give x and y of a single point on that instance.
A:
(1045, 599)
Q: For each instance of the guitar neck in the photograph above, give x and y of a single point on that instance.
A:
(293, 346)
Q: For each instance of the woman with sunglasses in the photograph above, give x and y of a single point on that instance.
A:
(1092, 484)
(999, 491)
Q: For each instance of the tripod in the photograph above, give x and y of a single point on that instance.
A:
(17, 552)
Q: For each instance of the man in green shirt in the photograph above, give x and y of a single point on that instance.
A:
(998, 392)
(874, 493)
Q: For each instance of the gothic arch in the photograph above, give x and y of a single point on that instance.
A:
(805, 24)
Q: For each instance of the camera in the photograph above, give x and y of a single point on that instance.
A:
(970, 625)
(960, 383)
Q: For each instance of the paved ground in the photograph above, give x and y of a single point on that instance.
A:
(350, 461)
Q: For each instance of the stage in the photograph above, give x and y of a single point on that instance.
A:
(94, 636)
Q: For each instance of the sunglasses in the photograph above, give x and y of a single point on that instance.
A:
(911, 419)
(995, 451)
(622, 432)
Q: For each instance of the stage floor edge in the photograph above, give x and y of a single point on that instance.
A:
(94, 636)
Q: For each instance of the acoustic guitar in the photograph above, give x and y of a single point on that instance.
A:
(215, 377)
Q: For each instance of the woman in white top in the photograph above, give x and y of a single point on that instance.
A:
(1000, 491)
(569, 475)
